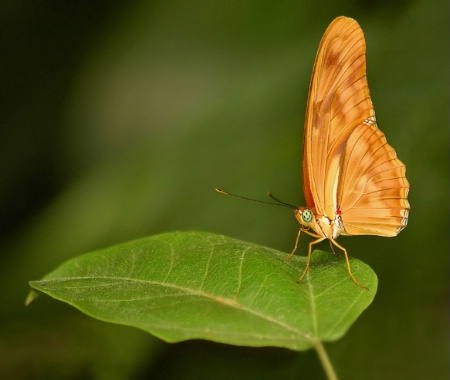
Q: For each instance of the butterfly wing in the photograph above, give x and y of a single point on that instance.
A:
(349, 170)
(373, 189)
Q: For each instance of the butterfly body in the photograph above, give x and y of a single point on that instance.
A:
(322, 225)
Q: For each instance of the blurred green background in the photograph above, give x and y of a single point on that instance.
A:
(120, 118)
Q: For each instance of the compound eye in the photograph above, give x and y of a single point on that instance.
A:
(307, 215)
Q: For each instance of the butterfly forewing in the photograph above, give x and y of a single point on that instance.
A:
(348, 167)
(338, 101)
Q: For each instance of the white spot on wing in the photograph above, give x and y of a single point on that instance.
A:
(370, 120)
(404, 221)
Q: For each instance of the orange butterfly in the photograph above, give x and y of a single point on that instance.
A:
(354, 184)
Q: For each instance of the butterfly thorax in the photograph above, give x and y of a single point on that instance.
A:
(322, 225)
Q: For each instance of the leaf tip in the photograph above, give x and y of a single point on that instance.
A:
(31, 296)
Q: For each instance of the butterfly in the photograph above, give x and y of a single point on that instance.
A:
(353, 182)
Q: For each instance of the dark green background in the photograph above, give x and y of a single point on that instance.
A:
(117, 122)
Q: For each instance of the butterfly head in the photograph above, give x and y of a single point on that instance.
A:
(305, 216)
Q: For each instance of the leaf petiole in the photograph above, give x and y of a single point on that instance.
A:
(325, 361)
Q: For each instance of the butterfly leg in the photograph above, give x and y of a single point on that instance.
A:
(296, 241)
(308, 258)
(348, 265)
(331, 246)
(295, 247)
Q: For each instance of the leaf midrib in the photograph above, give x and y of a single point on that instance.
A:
(229, 301)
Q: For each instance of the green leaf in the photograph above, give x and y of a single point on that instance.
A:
(192, 285)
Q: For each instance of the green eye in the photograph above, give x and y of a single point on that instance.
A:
(307, 215)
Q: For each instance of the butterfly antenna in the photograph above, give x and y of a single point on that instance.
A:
(277, 203)
(280, 202)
